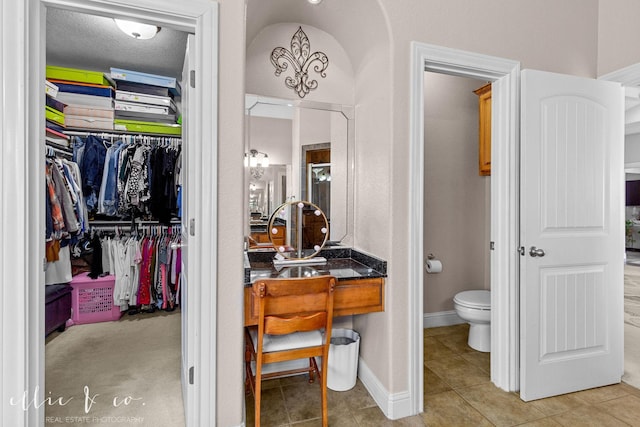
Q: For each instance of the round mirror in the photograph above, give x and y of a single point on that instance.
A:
(298, 230)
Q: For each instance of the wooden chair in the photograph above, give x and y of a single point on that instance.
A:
(293, 312)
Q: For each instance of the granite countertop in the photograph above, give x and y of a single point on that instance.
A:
(343, 263)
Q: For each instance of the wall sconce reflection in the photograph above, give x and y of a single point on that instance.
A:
(256, 161)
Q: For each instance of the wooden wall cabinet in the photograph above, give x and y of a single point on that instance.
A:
(484, 143)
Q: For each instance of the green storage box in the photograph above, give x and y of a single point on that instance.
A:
(77, 75)
(54, 115)
(147, 127)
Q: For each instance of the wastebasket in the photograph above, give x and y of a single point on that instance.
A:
(343, 359)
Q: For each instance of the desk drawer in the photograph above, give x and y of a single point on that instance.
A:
(351, 297)
(358, 296)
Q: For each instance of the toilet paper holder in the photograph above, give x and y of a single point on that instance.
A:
(433, 265)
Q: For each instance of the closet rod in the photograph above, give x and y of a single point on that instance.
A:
(175, 228)
(117, 134)
(59, 150)
(124, 222)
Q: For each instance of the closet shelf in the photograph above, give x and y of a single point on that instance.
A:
(115, 133)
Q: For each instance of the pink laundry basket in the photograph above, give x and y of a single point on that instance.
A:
(92, 300)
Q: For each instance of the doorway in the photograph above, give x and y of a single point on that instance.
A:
(28, 354)
(628, 77)
(457, 195)
(93, 350)
(504, 263)
(316, 173)
(505, 305)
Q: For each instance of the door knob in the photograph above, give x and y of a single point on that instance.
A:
(534, 252)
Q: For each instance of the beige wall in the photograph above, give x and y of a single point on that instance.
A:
(618, 35)
(272, 136)
(456, 196)
(546, 35)
(336, 87)
(229, 383)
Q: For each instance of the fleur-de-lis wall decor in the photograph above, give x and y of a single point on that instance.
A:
(300, 59)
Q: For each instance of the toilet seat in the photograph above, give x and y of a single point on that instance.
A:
(479, 300)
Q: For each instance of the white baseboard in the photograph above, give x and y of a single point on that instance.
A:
(442, 318)
(394, 406)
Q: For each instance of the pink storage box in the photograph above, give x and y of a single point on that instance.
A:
(92, 300)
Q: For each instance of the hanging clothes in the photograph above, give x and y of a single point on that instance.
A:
(164, 197)
(146, 269)
(91, 169)
(131, 176)
(64, 217)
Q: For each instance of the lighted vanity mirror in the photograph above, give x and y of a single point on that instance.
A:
(298, 150)
(298, 230)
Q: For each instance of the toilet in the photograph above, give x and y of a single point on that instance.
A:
(474, 307)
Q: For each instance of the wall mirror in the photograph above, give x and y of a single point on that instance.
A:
(298, 150)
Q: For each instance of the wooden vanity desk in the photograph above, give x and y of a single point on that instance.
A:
(360, 287)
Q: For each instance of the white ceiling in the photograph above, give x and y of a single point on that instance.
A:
(94, 43)
(91, 42)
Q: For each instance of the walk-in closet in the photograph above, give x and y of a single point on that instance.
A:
(114, 179)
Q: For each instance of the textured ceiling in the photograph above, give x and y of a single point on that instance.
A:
(94, 43)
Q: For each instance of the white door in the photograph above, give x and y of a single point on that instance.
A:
(572, 235)
(188, 300)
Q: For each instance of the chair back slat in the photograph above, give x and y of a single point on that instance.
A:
(293, 286)
(275, 325)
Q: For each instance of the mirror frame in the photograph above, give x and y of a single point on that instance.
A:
(297, 247)
(251, 101)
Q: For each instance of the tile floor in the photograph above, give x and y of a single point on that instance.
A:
(458, 392)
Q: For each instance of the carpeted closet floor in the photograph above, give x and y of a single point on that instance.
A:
(116, 373)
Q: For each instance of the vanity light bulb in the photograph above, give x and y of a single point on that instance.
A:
(316, 248)
(274, 230)
(281, 248)
(323, 230)
(317, 212)
(301, 205)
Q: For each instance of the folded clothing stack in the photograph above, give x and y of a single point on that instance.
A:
(88, 96)
(145, 102)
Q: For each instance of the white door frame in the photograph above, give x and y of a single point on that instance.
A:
(504, 207)
(22, 78)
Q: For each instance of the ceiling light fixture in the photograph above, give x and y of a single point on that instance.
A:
(137, 30)
(256, 158)
(315, 1)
